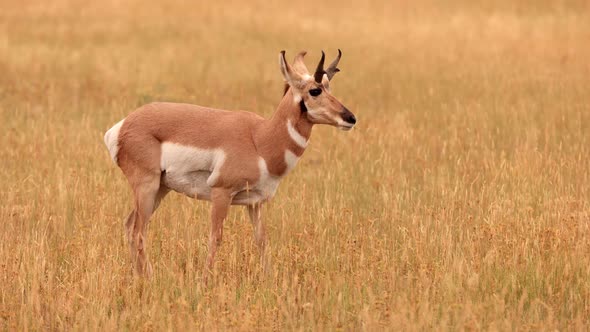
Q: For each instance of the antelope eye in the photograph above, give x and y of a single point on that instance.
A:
(315, 92)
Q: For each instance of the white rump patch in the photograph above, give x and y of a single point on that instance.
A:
(179, 160)
(291, 160)
(296, 136)
(111, 139)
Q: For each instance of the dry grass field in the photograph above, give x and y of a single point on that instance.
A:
(460, 201)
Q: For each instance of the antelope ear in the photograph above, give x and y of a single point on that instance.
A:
(299, 65)
(326, 82)
(292, 77)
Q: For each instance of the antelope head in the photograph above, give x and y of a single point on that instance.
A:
(313, 92)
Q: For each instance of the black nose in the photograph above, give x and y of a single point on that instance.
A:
(348, 116)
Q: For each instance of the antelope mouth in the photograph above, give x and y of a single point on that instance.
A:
(345, 126)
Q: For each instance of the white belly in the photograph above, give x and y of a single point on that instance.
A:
(177, 160)
(193, 172)
(192, 184)
(190, 170)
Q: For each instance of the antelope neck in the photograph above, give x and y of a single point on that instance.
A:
(288, 129)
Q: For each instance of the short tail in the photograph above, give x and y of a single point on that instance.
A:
(111, 140)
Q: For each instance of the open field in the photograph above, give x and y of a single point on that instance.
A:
(460, 201)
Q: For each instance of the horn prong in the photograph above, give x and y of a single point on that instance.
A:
(332, 69)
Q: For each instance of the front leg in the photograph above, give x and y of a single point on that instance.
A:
(221, 200)
(259, 231)
(256, 220)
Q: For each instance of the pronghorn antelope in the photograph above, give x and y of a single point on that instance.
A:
(228, 158)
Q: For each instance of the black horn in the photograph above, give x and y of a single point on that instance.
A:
(319, 71)
(331, 71)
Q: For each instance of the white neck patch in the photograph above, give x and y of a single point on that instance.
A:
(296, 136)
(291, 160)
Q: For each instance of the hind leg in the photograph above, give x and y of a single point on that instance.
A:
(131, 229)
(139, 158)
(130, 221)
(147, 195)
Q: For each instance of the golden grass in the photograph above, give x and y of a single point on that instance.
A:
(461, 201)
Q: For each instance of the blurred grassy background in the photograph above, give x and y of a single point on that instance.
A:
(460, 200)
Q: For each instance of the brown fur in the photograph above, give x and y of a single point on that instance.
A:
(243, 136)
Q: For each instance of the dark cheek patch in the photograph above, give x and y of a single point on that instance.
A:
(302, 106)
